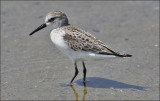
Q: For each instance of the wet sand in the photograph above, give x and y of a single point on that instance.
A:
(32, 68)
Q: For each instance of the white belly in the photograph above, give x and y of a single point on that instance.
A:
(57, 38)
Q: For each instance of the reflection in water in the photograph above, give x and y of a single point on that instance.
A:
(84, 92)
(76, 94)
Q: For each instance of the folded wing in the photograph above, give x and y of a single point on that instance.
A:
(79, 40)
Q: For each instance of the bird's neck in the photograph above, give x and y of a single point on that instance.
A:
(59, 24)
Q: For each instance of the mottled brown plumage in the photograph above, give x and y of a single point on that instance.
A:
(79, 40)
(76, 43)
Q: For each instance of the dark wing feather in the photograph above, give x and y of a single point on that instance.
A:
(80, 40)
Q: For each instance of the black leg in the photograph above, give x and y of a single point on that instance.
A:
(76, 72)
(84, 71)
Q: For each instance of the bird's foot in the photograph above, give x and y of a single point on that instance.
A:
(85, 81)
(71, 84)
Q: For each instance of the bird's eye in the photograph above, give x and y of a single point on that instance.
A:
(51, 19)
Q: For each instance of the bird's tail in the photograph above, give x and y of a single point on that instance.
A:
(116, 54)
(124, 55)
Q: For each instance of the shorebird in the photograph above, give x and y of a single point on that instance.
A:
(78, 44)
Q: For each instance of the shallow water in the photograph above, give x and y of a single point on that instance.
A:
(32, 68)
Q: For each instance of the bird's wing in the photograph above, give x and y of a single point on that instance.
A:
(79, 40)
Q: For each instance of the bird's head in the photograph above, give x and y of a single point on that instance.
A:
(55, 18)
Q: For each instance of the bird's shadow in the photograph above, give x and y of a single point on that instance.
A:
(98, 82)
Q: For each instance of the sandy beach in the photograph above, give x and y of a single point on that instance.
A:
(32, 68)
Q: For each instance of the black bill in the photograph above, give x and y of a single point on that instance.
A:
(39, 28)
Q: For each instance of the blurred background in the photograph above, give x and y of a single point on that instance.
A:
(32, 68)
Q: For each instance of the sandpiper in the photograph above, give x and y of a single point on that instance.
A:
(74, 42)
